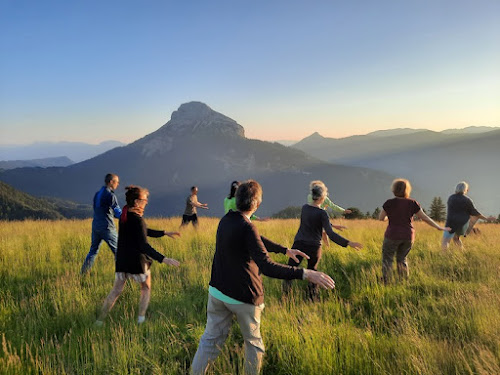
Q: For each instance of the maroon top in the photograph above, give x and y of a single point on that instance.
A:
(400, 212)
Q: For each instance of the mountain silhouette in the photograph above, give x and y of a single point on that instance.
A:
(202, 147)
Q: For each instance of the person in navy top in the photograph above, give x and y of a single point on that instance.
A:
(106, 208)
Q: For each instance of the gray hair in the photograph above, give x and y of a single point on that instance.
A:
(462, 187)
(318, 190)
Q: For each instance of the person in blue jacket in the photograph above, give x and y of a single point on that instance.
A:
(106, 208)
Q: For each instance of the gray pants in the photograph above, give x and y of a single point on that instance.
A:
(219, 322)
(400, 248)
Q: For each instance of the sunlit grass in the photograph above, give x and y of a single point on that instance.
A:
(444, 320)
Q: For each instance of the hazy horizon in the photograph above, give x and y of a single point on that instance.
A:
(284, 140)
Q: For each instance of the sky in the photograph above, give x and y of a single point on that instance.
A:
(91, 71)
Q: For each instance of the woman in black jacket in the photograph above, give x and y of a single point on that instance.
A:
(135, 255)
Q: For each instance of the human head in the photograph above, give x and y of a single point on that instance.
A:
(248, 196)
(318, 190)
(136, 196)
(234, 186)
(401, 188)
(462, 188)
(112, 181)
(194, 190)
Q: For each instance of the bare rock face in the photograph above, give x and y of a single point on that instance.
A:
(196, 118)
(193, 119)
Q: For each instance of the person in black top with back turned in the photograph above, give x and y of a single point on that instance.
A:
(461, 216)
(135, 255)
(313, 219)
(236, 284)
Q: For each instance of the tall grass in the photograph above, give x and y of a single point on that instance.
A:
(444, 320)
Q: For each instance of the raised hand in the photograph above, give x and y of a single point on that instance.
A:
(319, 278)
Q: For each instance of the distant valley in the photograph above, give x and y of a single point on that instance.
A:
(434, 161)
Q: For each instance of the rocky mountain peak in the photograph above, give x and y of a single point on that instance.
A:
(195, 118)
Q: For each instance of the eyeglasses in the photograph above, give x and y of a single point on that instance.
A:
(143, 199)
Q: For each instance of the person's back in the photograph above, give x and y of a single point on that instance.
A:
(460, 208)
(400, 213)
(239, 251)
(229, 204)
(312, 222)
(103, 210)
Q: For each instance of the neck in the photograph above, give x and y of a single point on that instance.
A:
(248, 213)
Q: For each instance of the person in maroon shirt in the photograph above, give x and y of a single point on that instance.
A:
(400, 233)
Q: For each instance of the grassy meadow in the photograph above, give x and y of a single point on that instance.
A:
(444, 320)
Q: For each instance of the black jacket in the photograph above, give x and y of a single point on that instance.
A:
(135, 254)
(240, 256)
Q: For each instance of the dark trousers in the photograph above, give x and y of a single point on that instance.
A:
(314, 253)
(400, 249)
(189, 218)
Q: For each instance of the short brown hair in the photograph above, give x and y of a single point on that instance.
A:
(133, 192)
(401, 187)
(248, 196)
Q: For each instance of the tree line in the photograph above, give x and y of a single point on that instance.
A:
(437, 212)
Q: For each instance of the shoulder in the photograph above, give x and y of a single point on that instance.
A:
(414, 201)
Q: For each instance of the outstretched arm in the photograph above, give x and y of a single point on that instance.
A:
(423, 216)
(382, 216)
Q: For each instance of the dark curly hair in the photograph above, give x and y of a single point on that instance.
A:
(133, 192)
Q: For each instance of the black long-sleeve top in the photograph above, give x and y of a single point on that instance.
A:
(134, 254)
(240, 255)
(460, 209)
(312, 222)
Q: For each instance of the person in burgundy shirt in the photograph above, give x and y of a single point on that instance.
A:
(400, 233)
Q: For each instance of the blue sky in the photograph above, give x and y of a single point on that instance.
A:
(96, 70)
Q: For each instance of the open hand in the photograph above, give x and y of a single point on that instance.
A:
(292, 253)
(171, 262)
(356, 245)
(339, 227)
(319, 278)
(172, 234)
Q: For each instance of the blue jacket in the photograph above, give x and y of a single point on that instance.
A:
(105, 208)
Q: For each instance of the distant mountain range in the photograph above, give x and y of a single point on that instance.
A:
(202, 147)
(433, 161)
(16, 205)
(61, 161)
(75, 151)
